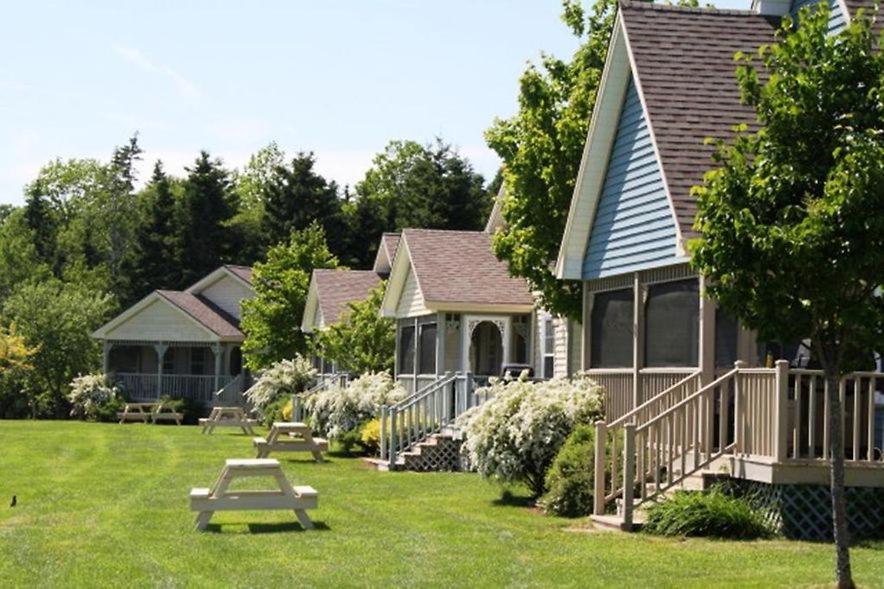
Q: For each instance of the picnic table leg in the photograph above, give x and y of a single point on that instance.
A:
(202, 519)
(286, 487)
(317, 455)
(125, 413)
(217, 490)
(304, 520)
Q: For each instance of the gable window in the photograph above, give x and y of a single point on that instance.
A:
(672, 324)
(549, 348)
(611, 329)
(427, 349)
(406, 350)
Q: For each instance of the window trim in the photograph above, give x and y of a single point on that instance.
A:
(548, 336)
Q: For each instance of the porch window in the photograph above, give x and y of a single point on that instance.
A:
(169, 361)
(406, 350)
(427, 349)
(549, 348)
(197, 361)
(726, 329)
(672, 324)
(611, 329)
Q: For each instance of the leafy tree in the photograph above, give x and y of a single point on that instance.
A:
(272, 319)
(19, 259)
(15, 367)
(208, 205)
(792, 235)
(363, 341)
(414, 185)
(56, 319)
(114, 209)
(541, 147)
(294, 196)
(249, 185)
(157, 259)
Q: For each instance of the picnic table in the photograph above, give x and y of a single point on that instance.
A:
(228, 417)
(290, 436)
(163, 412)
(136, 412)
(207, 501)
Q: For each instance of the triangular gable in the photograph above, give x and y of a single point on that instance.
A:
(154, 318)
(214, 276)
(383, 261)
(625, 252)
(634, 227)
(495, 218)
(312, 319)
(403, 296)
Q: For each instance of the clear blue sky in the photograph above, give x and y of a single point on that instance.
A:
(339, 77)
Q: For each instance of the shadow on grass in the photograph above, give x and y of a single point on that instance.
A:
(507, 499)
(267, 528)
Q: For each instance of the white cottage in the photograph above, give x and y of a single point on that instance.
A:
(181, 343)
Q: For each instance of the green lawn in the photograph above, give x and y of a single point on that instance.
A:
(103, 504)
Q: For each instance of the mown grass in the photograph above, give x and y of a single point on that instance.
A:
(106, 504)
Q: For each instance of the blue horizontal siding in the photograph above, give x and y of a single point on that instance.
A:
(836, 15)
(633, 227)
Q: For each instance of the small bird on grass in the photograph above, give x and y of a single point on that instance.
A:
(13, 502)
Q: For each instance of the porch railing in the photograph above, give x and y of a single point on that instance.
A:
(621, 393)
(776, 415)
(143, 386)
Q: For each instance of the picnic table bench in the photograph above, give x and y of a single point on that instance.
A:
(136, 412)
(207, 501)
(163, 412)
(228, 417)
(288, 436)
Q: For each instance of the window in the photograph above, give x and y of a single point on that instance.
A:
(726, 329)
(672, 324)
(427, 349)
(197, 361)
(611, 325)
(549, 348)
(406, 350)
(169, 361)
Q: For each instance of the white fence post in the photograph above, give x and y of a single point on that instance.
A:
(781, 415)
(601, 435)
(628, 474)
(393, 436)
(383, 431)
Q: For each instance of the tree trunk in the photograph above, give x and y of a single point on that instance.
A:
(836, 454)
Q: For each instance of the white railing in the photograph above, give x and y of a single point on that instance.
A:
(231, 393)
(621, 394)
(143, 386)
(774, 414)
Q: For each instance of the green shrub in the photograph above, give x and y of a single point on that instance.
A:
(370, 436)
(275, 410)
(570, 478)
(94, 398)
(710, 513)
(190, 409)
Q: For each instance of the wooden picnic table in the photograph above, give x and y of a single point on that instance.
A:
(290, 436)
(207, 501)
(228, 417)
(137, 412)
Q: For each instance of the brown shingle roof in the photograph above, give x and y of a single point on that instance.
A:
(391, 242)
(685, 68)
(335, 289)
(203, 311)
(459, 267)
(868, 7)
(244, 272)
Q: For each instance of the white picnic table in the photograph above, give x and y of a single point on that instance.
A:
(290, 436)
(228, 417)
(207, 501)
(149, 412)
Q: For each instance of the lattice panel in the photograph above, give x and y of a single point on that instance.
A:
(803, 512)
(441, 456)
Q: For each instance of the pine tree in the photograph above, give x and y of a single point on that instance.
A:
(40, 219)
(208, 205)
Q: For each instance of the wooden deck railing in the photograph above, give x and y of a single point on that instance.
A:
(143, 386)
(776, 415)
(620, 391)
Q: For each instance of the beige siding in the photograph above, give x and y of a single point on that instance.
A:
(411, 302)
(561, 346)
(158, 321)
(575, 346)
(563, 363)
(228, 293)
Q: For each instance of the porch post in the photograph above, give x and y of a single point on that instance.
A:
(216, 349)
(586, 343)
(781, 410)
(160, 348)
(440, 343)
(640, 295)
(416, 344)
(707, 336)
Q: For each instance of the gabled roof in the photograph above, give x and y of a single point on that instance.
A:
(204, 312)
(330, 293)
(495, 218)
(681, 62)
(242, 274)
(383, 261)
(455, 271)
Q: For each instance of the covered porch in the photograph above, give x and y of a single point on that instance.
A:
(147, 370)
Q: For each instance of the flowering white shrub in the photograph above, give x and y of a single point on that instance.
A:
(286, 377)
(516, 434)
(92, 397)
(338, 410)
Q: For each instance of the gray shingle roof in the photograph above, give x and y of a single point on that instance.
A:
(685, 68)
(459, 267)
(204, 312)
(243, 272)
(335, 289)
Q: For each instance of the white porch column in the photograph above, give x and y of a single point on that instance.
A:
(160, 348)
(707, 336)
(216, 349)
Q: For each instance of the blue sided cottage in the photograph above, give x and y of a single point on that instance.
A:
(689, 390)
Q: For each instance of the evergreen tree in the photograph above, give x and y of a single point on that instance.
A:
(41, 221)
(157, 261)
(294, 196)
(118, 204)
(208, 205)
